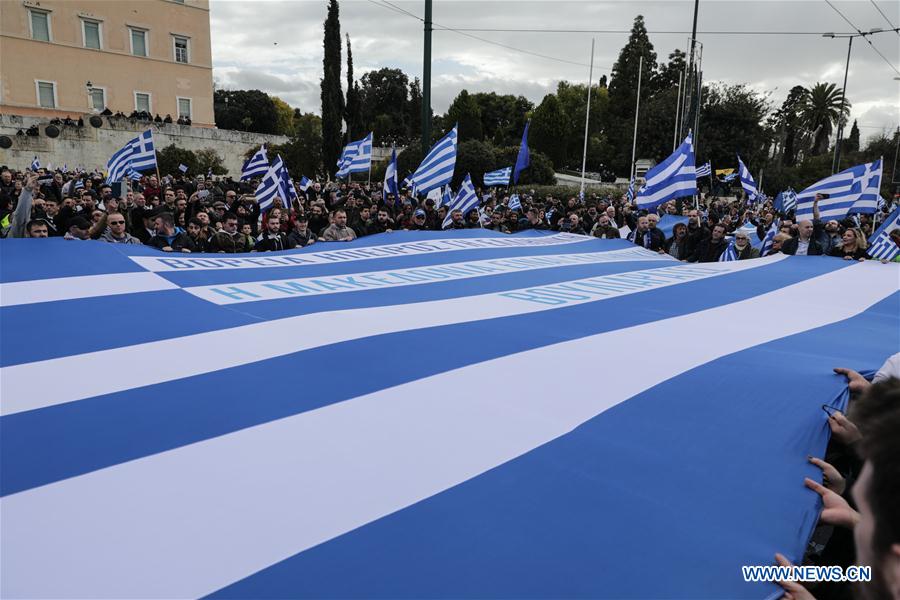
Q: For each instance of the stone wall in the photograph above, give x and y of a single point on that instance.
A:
(90, 147)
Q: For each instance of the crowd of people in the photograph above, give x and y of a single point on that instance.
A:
(178, 213)
(197, 214)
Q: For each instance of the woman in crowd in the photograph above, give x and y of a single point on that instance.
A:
(853, 246)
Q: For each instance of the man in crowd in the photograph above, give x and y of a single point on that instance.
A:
(645, 237)
(711, 248)
(115, 230)
(803, 244)
(338, 230)
(301, 236)
(228, 239)
(273, 239)
(166, 238)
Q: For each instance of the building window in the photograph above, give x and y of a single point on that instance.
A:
(138, 42)
(90, 31)
(184, 107)
(181, 49)
(46, 94)
(97, 99)
(40, 25)
(142, 102)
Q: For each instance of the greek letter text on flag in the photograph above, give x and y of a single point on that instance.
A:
(881, 246)
(111, 485)
(747, 181)
(672, 178)
(500, 177)
(437, 167)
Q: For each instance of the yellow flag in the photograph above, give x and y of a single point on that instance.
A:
(724, 171)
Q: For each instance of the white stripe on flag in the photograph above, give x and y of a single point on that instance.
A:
(85, 286)
(177, 358)
(137, 529)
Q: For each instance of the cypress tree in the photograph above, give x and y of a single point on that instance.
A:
(332, 96)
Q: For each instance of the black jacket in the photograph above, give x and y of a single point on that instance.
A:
(266, 242)
(708, 250)
(655, 242)
(790, 247)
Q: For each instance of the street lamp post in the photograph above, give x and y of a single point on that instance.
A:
(836, 163)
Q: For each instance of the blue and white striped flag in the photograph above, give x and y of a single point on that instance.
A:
(672, 178)
(630, 192)
(288, 191)
(356, 157)
(500, 177)
(390, 178)
(304, 183)
(270, 186)
(514, 202)
(143, 155)
(119, 163)
(466, 200)
(786, 201)
(769, 239)
(881, 246)
(35, 164)
(730, 253)
(255, 443)
(183, 168)
(256, 166)
(134, 175)
(437, 167)
(704, 170)
(79, 184)
(844, 190)
(446, 198)
(730, 177)
(747, 181)
(870, 194)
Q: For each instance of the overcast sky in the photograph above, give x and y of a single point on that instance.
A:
(277, 46)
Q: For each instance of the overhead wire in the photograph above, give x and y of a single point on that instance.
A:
(864, 36)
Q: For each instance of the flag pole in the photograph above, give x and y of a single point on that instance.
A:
(677, 110)
(587, 120)
(637, 109)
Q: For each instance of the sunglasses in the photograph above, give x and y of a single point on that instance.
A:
(116, 222)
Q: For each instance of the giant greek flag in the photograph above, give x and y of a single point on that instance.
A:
(229, 428)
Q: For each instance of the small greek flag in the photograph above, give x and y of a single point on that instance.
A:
(514, 202)
(446, 198)
(769, 239)
(436, 169)
(35, 164)
(730, 177)
(672, 178)
(356, 157)
(288, 192)
(183, 168)
(704, 170)
(256, 165)
(630, 192)
(881, 246)
(390, 177)
(747, 181)
(466, 200)
(270, 185)
(304, 183)
(730, 253)
(498, 177)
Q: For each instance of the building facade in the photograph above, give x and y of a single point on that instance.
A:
(74, 57)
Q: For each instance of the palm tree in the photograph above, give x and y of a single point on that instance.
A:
(821, 111)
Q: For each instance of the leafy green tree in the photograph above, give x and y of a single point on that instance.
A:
(414, 111)
(245, 110)
(332, 96)
(851, 142)
(787, 122)
(573, 99)
(503, 116)
(284, 116)
(732, 121)
(464, 111)
(476, 158)
(169, 158)
(547, 130)
(383, 96)
(208, 159)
